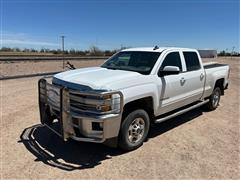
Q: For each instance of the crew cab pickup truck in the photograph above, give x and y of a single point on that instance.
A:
(115, 103)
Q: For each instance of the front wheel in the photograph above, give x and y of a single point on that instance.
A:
(134, 130)
(214, 99)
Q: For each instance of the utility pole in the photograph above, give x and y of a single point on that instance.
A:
(121, 47)
(63, 51)
(232, 51)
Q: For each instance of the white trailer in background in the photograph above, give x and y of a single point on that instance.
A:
(207, 53)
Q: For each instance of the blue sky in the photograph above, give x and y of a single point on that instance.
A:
(110, 24)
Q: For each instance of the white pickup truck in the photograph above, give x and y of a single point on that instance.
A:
(115, 103)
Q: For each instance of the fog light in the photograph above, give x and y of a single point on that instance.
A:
(101, 125)
(97, 126)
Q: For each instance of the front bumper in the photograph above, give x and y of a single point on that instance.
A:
(57, 113)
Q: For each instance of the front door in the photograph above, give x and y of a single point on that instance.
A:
(173, 86)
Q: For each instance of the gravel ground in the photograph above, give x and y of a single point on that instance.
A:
(13, 68)
(198, 144)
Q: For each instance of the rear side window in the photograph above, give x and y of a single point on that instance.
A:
(192, 61)
(172, 59)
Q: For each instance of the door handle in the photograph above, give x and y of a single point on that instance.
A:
(201, 76)
(182, 81)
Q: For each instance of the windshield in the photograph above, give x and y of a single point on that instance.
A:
(137, 61)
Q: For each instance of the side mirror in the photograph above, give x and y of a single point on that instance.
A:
(169, 70)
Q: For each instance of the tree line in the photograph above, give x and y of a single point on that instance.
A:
(225, 53)
(92, 51)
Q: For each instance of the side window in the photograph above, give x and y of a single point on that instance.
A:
(172, 59)
(192, 61)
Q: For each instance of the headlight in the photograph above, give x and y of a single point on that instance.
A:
(96, 103)
(111, 102)
(116, 103)
(104, 108)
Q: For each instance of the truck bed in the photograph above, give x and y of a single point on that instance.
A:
(215, 71)
(213, 65)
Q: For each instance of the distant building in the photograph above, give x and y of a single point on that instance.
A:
(208, 53)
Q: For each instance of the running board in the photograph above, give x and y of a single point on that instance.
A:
(181, 111)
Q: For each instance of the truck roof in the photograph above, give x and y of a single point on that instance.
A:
(158, 49)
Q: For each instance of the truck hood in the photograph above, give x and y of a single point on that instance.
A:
(97, 78)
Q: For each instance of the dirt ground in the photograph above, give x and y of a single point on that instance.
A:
(9, 68)
(195, 145)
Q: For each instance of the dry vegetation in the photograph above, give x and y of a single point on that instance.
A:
(25, 54)
(198, 144)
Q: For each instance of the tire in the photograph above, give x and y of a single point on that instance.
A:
(134, 130)
(214, 99)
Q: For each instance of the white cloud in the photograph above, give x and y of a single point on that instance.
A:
(24, 40)
(27, 42)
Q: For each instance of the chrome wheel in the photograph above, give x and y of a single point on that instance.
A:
(136, 130)
(216, 98)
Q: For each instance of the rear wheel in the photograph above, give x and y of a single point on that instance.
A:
(134, 130)
(214, 99)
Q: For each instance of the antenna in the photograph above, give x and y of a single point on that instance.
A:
(155, 48)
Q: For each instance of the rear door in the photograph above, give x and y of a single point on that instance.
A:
(194, 76)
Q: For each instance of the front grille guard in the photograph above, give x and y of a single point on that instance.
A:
(58, 98)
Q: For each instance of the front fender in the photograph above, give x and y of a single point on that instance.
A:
(141, 91)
